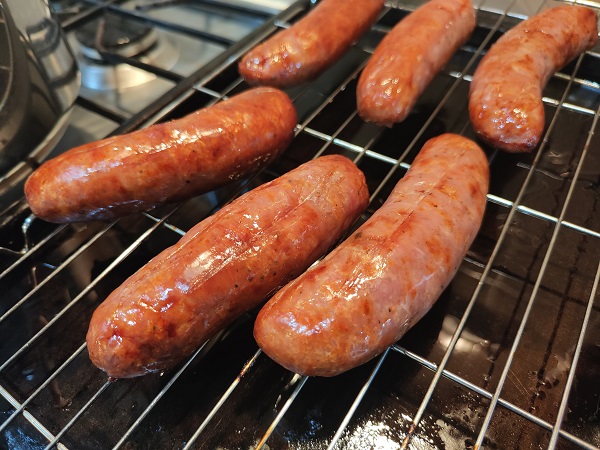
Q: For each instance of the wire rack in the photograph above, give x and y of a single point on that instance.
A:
(509, 356)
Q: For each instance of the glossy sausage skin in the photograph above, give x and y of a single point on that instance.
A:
(166, 162)
(379, 282)
(505, 99)
(409, 57)
(224, 266)
(301, 52)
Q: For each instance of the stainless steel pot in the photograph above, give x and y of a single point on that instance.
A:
(39, 82)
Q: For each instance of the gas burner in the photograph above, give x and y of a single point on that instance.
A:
(115, 35)
(111, 36)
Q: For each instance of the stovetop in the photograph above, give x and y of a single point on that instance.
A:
(190, 34)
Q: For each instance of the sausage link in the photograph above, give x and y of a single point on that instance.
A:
(379, 282)
(409, 57)
(301, 52)
(505, 98)
(166, 162)
(225, 265)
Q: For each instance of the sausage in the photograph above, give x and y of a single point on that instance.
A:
(379, 282)
(409, 57)
(505, 97)
(301, 52)
(224, 266)
(166, 162)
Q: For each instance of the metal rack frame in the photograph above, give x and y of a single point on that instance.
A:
(202, 83)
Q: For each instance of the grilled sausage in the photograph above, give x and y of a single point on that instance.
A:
(166, 162)
(301, 52)
(409, 57)
(224, 266)
(505, 98)
(379, 282)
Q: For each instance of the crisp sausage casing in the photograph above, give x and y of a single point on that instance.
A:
(225, 265)
(505, 99)
(410, 56)
(301, 52)
(380, 281)
(166, 162)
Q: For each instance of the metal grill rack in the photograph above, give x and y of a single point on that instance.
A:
(509, 356)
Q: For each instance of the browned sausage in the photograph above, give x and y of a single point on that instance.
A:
(301, 52)
(379, 282)
(224, 266)
(409, 57)
(166, 162)
(505, 99)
